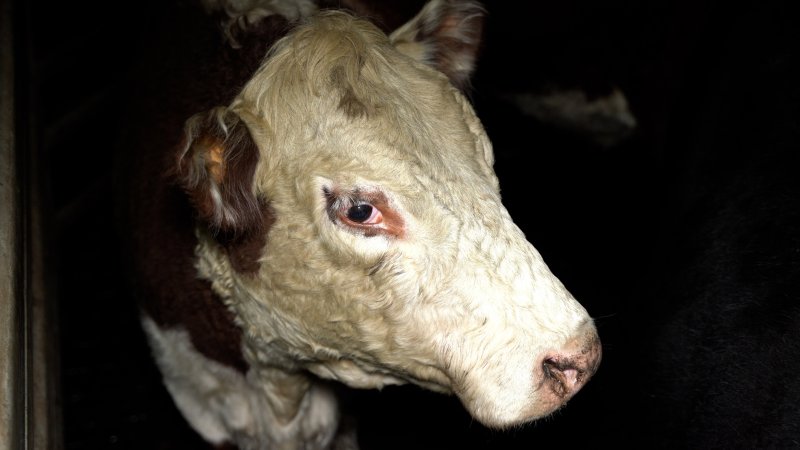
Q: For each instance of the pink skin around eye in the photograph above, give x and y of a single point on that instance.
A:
(383, 219)
(375, 218)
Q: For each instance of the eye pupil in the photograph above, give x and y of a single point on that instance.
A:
(359, 213)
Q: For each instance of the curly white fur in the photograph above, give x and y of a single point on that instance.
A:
(458, 302)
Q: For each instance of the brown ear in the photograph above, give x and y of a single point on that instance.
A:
(216, 167)
(446, 34)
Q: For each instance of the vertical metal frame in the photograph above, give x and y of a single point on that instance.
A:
(29, 411)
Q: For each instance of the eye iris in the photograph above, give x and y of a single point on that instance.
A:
(359, 213)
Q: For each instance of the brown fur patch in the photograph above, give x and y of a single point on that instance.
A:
(175, 296)
(246, 249)
(221, 160)
(187, 72)
(351, 105)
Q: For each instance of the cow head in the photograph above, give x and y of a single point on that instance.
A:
(360, 183)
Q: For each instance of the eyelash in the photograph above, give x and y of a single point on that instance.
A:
(362, 214)
(367, 213)
(352, 212)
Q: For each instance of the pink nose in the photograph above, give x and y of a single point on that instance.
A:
(565, 372)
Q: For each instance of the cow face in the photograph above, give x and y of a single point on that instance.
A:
(378, 250)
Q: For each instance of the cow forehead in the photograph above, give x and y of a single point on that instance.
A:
(358, 107)
(393, 152)
(432, 131)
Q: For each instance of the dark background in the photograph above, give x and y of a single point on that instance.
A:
(682, 239)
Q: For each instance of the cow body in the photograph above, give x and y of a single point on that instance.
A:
(331, 212)
(720, 348)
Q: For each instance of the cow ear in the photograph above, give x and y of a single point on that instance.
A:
(216, 168)
(446, 34)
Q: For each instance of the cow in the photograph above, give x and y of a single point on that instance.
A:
(717, 342)
(312, 200)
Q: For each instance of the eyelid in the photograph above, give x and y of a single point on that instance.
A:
(390, 222)
(375, 218)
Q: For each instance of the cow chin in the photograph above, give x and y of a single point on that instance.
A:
(364, 375)
(516, 407)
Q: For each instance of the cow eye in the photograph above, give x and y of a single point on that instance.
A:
(364, 213)
(359, 213)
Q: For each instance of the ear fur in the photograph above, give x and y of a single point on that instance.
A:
(446, 34)
(216, 166)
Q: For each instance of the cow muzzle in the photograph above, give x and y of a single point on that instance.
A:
(551, 378)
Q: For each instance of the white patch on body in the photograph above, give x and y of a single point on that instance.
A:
(224, 405)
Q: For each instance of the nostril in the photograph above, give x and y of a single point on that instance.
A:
(565, 377)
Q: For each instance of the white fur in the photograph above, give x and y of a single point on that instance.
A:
(225, 406)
